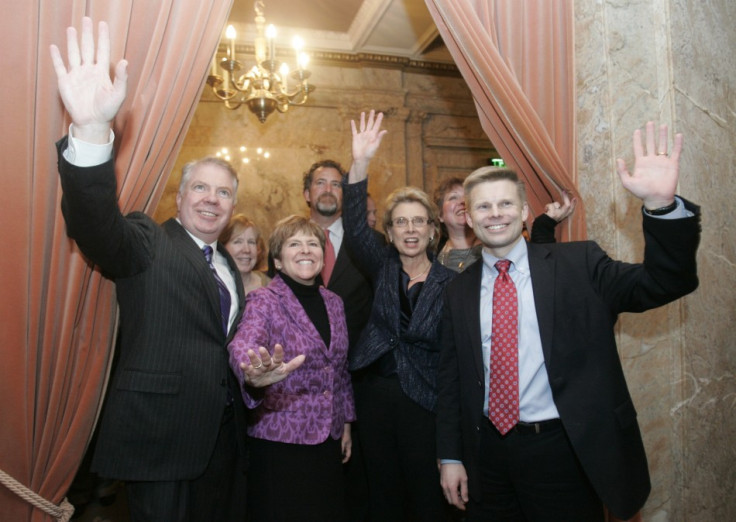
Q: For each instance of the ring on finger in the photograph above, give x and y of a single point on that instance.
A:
(661, 154)
(260, 364)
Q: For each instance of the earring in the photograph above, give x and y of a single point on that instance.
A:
(431, 239)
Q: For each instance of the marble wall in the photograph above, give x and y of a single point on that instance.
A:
(433, 133)
(666, 60)
(669, 61)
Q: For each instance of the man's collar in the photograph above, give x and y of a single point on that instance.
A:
(518, 256)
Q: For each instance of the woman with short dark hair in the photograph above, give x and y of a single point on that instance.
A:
(298, 427)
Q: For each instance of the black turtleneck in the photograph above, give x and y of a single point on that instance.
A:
(313, 304)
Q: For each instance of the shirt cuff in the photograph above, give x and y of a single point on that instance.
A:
(83, 154)
(679, 212)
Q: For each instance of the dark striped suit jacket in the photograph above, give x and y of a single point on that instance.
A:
(170, 384)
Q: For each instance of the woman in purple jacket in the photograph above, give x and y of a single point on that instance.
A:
(299, 427)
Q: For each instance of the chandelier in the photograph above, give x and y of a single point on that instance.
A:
(266, 85)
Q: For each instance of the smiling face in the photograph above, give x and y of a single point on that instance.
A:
(452, 213)
(243, 247)
(411, 240)
(205, 201)
(301, 258)
(497, 214)
(324, 194)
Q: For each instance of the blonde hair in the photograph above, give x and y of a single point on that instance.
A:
(412, 195)
(490, 174)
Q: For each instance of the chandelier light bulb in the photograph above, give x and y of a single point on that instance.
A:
(303, 60)
(264, 86)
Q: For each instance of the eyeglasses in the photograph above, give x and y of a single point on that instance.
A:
(417, 221)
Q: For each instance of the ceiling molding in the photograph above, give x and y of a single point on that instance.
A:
(375, 27)
(369, 15)
(339, 58)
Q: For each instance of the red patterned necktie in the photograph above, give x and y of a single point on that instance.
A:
(503, 400)
(329, 259)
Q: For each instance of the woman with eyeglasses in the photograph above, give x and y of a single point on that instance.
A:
(395, 360)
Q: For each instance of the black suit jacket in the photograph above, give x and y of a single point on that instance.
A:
(169, 389)
(578, 292)
(354, 288)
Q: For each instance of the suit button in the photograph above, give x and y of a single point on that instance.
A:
(326, 393)
(327, 369)
(480, 384)
(477, 428)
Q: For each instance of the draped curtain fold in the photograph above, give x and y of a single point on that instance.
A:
(57, 312)
(517, 58)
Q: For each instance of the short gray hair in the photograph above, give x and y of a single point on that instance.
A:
(187, 170)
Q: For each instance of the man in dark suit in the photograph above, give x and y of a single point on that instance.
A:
(323, 193)
(556, 437)
(173, 425)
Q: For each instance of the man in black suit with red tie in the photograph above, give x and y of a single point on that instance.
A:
(534, 417)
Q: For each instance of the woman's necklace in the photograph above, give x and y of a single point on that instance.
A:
(445, 256)
(420, 275)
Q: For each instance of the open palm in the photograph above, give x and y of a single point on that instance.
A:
(89, 95)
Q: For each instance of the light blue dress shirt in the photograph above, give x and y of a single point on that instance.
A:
(535, 395)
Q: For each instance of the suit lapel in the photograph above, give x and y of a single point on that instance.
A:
(542, 269)
(471, 302)
(341, 262)
(238, 287)
(332, 304)
(194, 255)
(431, 292)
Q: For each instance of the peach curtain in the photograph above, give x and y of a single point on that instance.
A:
(517, 59)
(58, 313)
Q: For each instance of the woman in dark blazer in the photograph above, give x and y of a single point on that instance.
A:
(395, 359)
(299, 427)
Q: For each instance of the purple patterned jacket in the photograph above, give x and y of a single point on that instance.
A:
(316, 400)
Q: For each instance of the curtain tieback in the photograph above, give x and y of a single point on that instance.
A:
(62, 513)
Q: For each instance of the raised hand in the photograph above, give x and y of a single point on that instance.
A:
(366, 140)
(560, 211)
(264, 369)
(655, 175)
(90, 97)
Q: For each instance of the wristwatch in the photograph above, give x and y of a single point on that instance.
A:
(661, 211)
